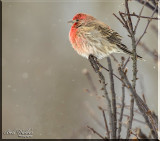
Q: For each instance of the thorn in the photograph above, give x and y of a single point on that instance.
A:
(100, 107)
(102, 88)
(148, 112)
(125, 71)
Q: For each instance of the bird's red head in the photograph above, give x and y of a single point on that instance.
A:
(80, 19)
(80, 16)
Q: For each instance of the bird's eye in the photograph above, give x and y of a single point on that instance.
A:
(77, 20)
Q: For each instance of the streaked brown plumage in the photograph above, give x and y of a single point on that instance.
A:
(91, 36)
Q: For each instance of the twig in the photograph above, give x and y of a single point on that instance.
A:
(148, 5)
(128, 107)
(96, 69)
(85, 71)
(122, 22)
(114, 58)
(114, 108)
(131, 117)
(134, 135)
(95, 132)
(105, 121)
(140, 134)
(134, 119)
(134, 58)
(108, 71)
(125, 64)
(139, 17)
(149, 20)
(93, 115)
(129, 17)
(122, 107)
(149, 119)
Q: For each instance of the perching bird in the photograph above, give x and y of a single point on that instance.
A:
(91, 36)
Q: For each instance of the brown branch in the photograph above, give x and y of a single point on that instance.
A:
(131, 117)
(105, 121)
(134, 119)
(128, 107)
(129, 17)
(134, 58)
(95, 132)
(148, 116)
(145, 31)
(93, 61)
(108, 71)
(148, 5)
(139, 17)
(114, 58)
(106, 125)
(122, 107)
(114, 108)
(125, 64)
(122, 22)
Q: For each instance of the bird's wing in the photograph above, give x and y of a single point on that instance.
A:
(104, 31)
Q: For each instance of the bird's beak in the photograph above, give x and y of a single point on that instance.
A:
(72, 21)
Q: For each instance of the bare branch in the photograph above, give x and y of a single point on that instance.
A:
(114, 108)
(148, 5)
(139, 17)
(95, 66)
(125, 64)
(149, 20)
(122, 22)
(122, 107)
(95, 132)
(105, 121)
(148, 116)
(129, 17)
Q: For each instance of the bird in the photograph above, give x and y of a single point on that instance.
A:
(89, 36)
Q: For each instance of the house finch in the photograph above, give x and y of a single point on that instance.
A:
(91, 36)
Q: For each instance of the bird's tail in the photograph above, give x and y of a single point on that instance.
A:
(124, 49)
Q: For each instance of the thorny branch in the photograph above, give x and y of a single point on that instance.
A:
(129, 27)
(134, 58)
(148, 116)
(114, 108)
(95, 66)
(123, 104)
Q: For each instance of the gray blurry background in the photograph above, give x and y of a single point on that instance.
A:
(43, 86)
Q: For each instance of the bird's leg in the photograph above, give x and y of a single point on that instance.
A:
(94, 62)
